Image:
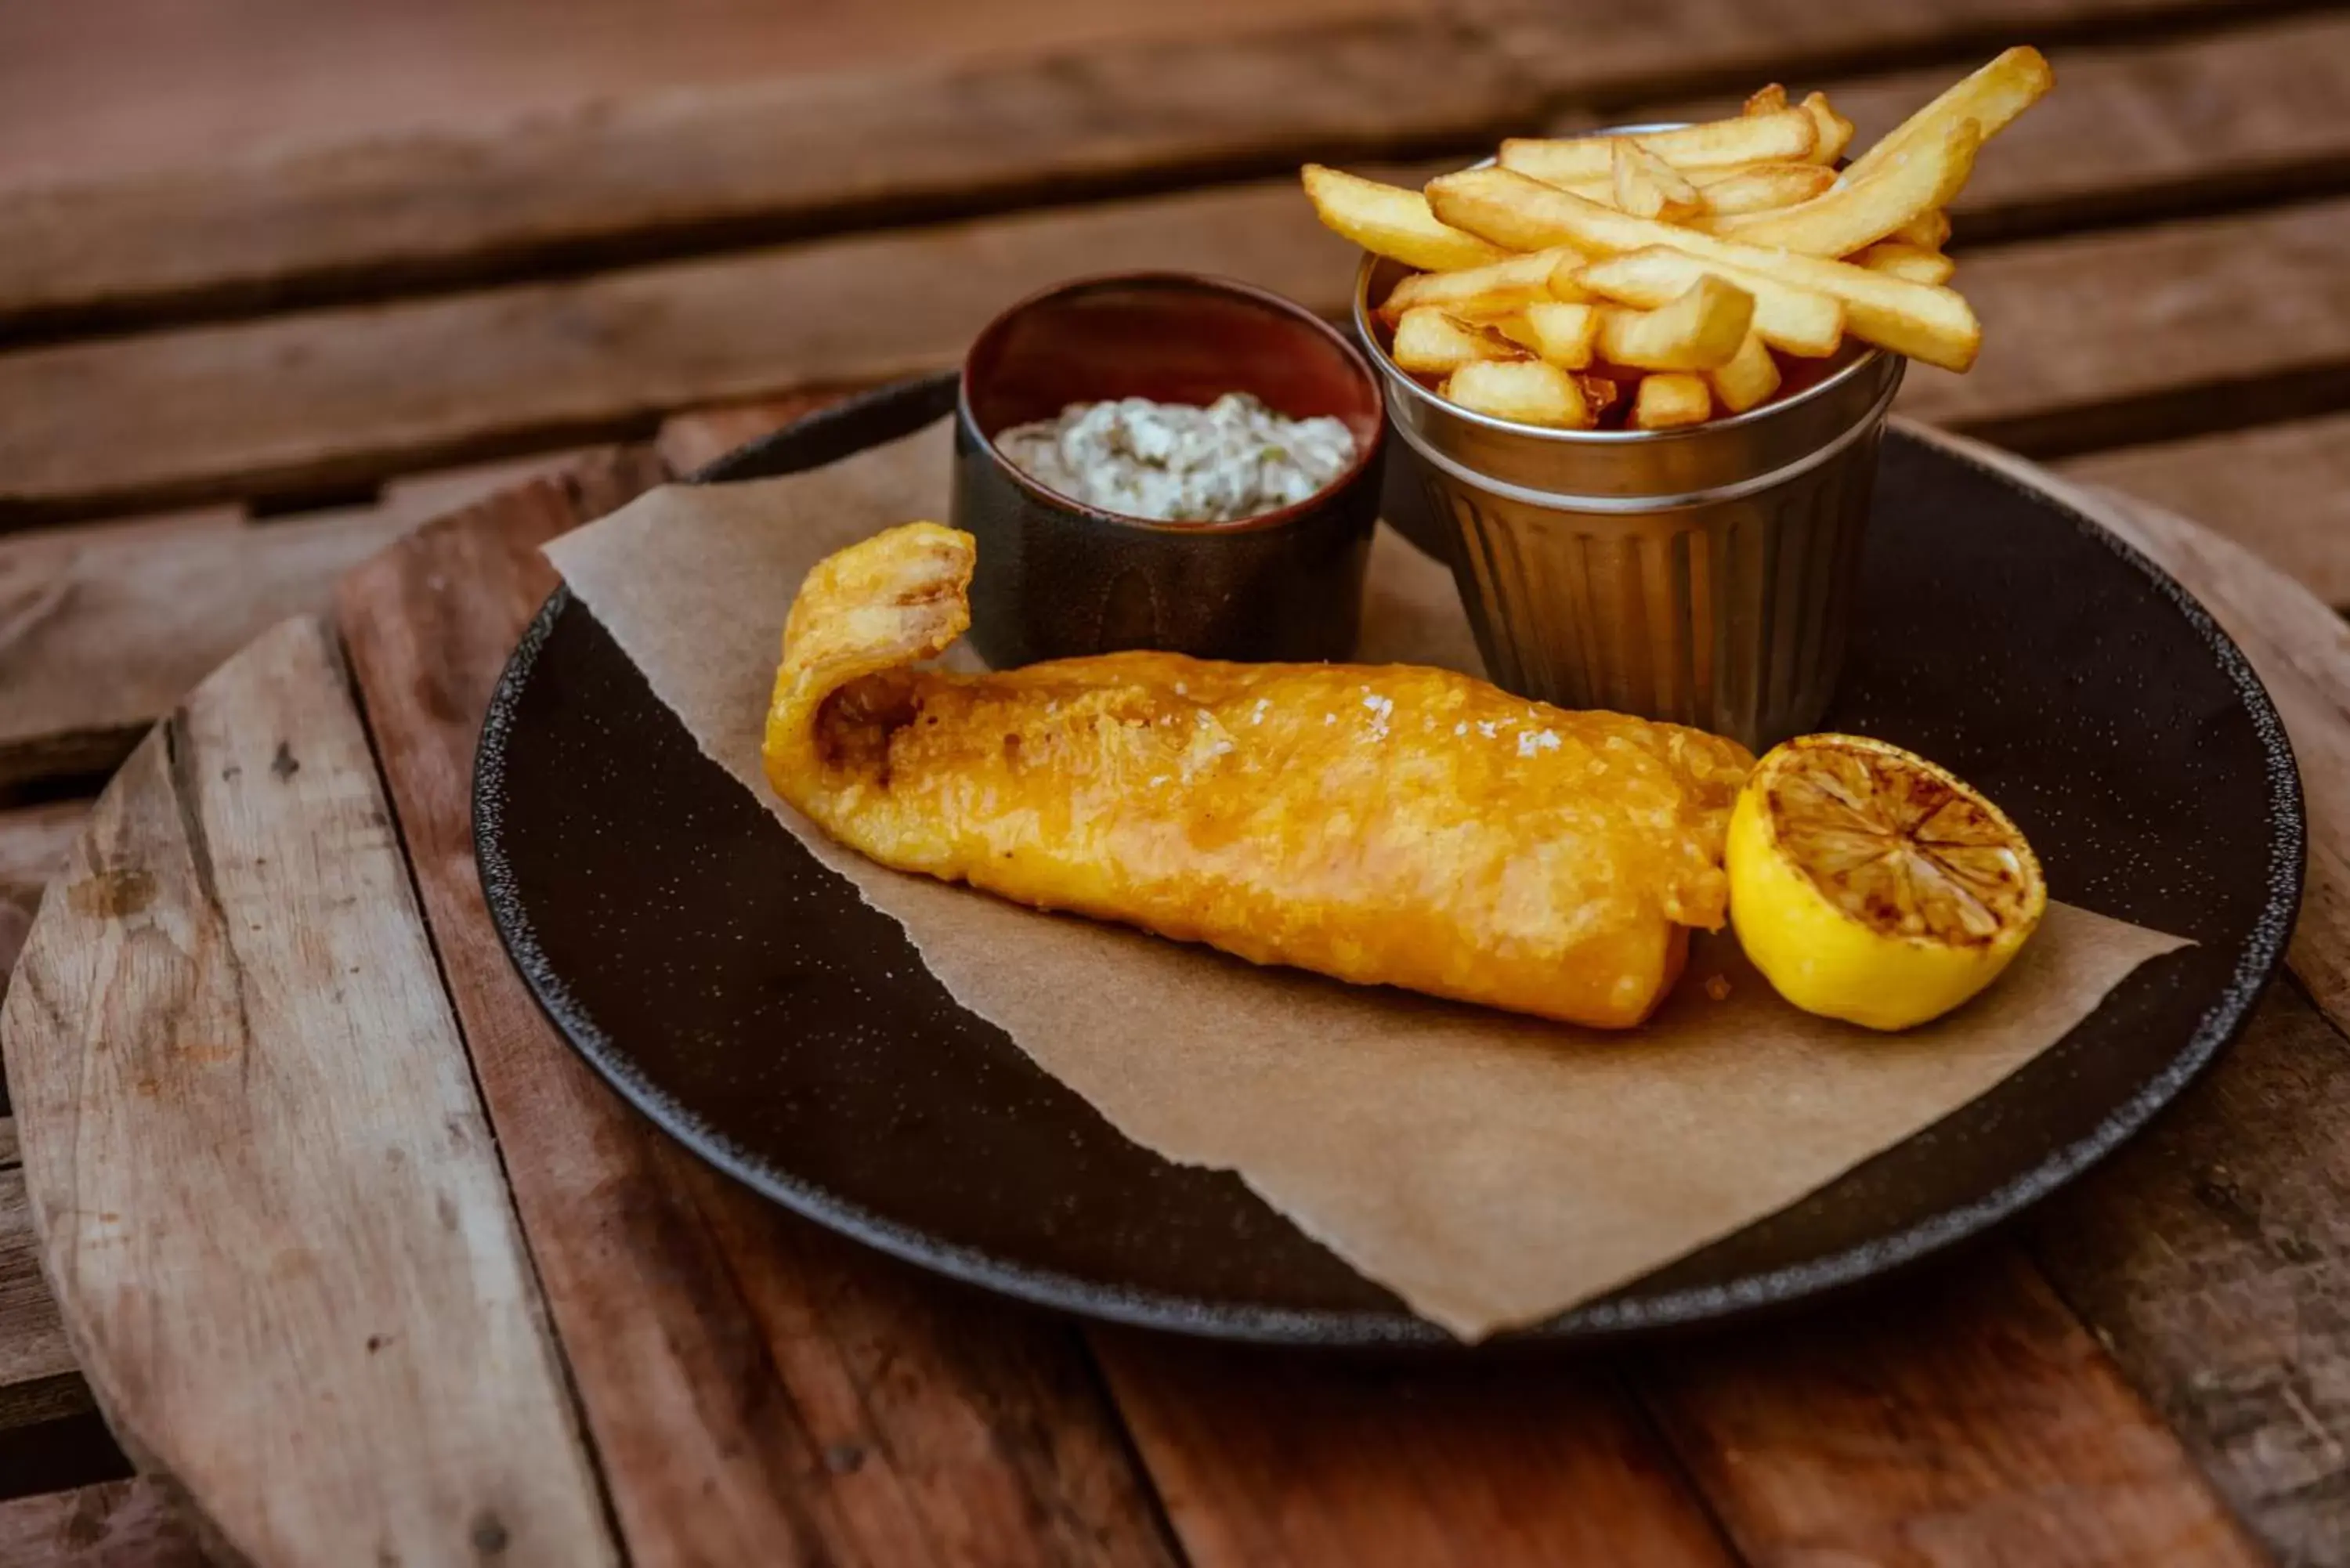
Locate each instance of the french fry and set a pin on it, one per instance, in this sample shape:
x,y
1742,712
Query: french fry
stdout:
x,y
1759,187
1699,330
1670,400
1796,321
1497,288
1749,377
1790,133
1768,100
1559,333
1526,391
1647,185
1925,323
1991,98
1858,212
1741,188
1895,259
1926,231
1835,130
1429,341
1600,393
1392,222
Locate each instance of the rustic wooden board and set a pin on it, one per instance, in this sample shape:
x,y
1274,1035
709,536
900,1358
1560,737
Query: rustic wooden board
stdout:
x,y
2282,491
148,84
34,840
1271,1461
1962,1415
757,1390
103,627
326,214
1618,53
640,176
114,1524
2212,1255
234,1068
38,1379
2092,339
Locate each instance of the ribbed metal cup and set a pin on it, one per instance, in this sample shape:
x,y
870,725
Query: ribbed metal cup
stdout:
x,y
1703,576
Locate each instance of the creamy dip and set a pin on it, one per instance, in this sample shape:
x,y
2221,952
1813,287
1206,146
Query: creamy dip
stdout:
x,y
1176,463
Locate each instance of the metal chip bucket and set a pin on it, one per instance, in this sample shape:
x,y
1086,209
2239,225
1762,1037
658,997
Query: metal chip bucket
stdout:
x,y
1703,576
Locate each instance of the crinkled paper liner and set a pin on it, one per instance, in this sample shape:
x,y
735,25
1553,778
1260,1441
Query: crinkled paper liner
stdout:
x,y
1491,1171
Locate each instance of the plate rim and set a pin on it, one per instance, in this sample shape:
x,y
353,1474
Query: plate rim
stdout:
x,y
893,410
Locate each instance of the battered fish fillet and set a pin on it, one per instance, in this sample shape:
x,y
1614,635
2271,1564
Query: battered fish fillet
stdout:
x,y
1389,825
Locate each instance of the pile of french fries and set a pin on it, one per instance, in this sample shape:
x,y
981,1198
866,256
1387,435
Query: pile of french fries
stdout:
x,y
1649,281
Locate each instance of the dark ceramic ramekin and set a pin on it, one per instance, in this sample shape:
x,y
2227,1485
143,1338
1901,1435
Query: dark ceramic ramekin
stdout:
x,y
1057,578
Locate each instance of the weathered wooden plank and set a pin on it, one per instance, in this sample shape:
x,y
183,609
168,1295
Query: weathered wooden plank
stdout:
x,y
757,1390
34,840
2142,333
238,1082
2213,1256
642,175
1613,56
103,627
633,176
2145,131
146,83
2092,340
38,1377
2281,491
114,1524
1963,1417
1269,1460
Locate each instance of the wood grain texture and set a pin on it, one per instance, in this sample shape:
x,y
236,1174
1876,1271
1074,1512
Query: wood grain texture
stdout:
x,y
149,84
240,1092
1618,53
103,627
2213,1256
640,175
114,1524
2281,491
34,840
757,1390
1960,1417
2091,341
1269,1460
38,1377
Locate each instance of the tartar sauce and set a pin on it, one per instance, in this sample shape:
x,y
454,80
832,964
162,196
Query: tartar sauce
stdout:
x,y
1176,463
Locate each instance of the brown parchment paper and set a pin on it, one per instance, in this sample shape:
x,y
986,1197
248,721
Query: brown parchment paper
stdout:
x,y
1491,1171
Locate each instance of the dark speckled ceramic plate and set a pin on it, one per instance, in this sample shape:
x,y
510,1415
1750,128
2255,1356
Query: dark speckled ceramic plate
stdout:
x,y
747,1002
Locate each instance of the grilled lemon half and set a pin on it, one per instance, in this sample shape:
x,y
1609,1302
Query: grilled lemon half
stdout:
x,y
1867,883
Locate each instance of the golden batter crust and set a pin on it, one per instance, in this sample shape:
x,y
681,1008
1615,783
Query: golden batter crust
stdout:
x,y
1386,825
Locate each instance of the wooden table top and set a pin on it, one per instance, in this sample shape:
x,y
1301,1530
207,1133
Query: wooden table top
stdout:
x,y
575,1344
